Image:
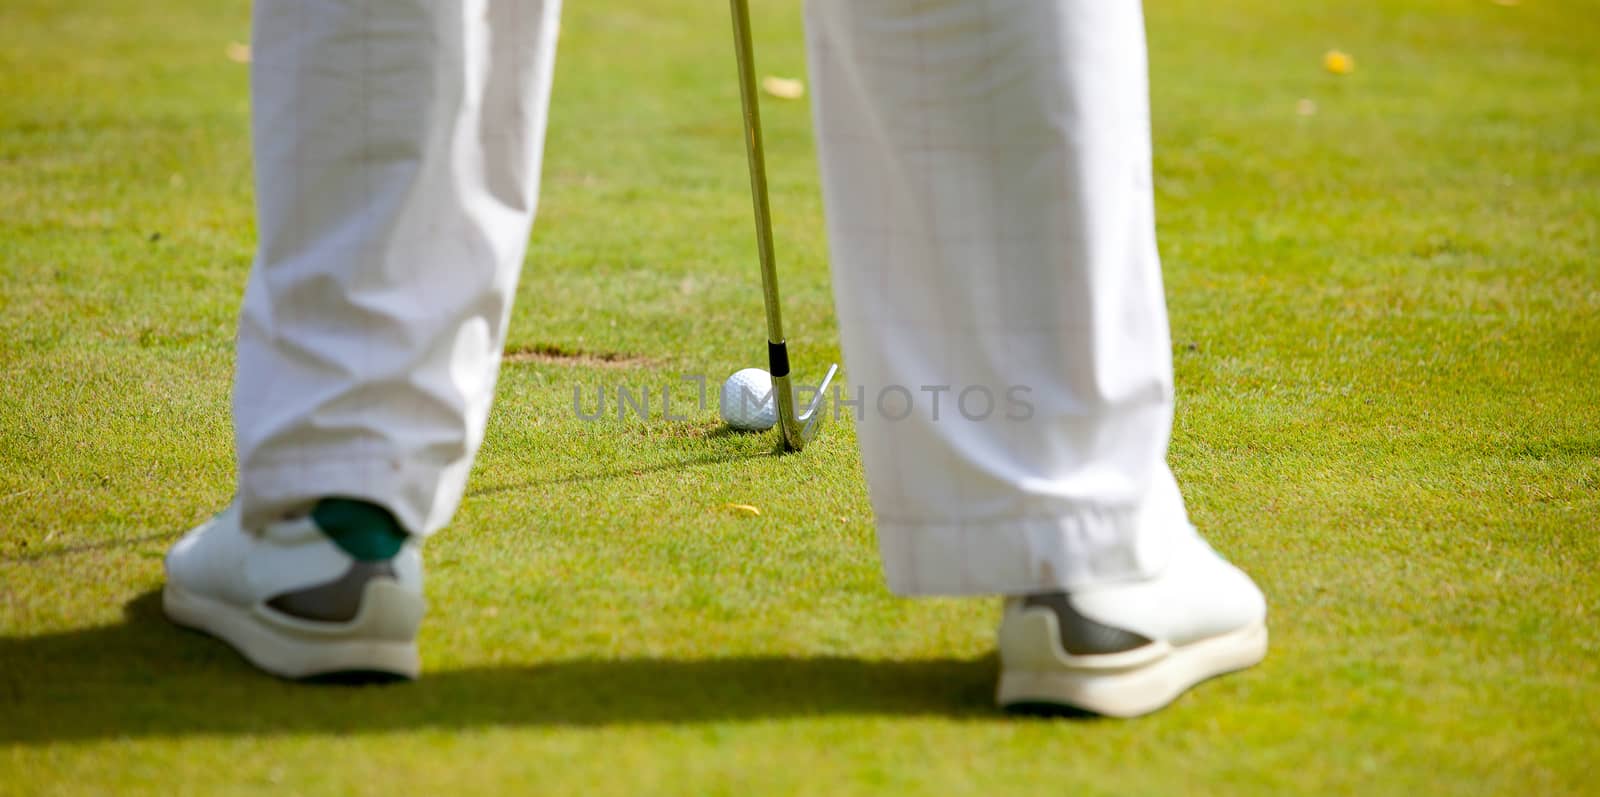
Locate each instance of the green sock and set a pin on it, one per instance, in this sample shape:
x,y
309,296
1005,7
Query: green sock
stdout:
x,y
364,530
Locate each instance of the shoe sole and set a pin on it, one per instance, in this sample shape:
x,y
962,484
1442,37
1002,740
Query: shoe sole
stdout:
x,y
1132,691
298,649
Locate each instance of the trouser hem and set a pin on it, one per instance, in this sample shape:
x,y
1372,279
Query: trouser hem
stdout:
x,y
1013,555
407,489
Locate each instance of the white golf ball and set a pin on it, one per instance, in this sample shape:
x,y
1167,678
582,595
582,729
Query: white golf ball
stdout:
x,y
747,401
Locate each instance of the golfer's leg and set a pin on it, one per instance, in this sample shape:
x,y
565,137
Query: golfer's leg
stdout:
x,y
397,156
398,147
987,171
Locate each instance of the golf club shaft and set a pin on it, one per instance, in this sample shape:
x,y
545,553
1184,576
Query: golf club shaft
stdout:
x,y
744,50
789,426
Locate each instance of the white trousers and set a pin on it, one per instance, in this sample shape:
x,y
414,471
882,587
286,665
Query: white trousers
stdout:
x,y
986,167
398,147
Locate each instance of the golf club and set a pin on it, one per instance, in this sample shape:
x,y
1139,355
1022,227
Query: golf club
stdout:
x,y
795,429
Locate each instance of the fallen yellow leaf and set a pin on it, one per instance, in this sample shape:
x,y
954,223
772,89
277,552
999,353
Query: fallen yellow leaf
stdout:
x,y
742,508
1338,62
783,88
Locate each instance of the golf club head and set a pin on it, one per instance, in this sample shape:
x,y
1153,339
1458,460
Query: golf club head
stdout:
x,y
797,429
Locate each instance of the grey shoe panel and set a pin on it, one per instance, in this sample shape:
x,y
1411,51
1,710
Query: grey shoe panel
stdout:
x,y
1081,636
339,600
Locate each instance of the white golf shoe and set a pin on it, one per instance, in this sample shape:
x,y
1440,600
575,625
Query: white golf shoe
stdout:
x,y
1130,648
293,602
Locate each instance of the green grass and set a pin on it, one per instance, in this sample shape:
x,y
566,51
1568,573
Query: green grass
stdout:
x,y
1387,334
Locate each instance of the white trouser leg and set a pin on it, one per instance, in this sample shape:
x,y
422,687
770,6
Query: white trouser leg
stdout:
x,y
986,166
398,147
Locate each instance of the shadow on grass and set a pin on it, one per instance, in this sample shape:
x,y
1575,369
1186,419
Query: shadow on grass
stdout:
x,y
624,472
67,550
147,678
